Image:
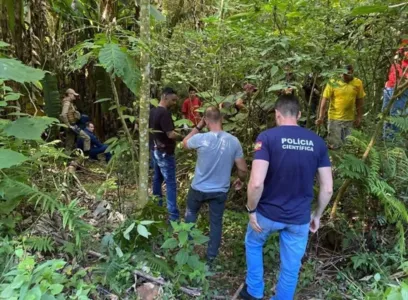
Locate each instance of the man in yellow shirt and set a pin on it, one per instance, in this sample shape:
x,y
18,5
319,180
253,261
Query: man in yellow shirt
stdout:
x,y
346,97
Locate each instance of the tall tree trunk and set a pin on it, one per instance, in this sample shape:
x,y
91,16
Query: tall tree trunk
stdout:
x,y
144,103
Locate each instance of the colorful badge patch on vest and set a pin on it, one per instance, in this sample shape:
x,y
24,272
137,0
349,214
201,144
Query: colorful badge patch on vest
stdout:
x,y
258,146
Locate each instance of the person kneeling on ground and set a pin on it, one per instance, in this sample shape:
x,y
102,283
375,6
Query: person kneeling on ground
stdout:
x,y
280,191
96,146
218,151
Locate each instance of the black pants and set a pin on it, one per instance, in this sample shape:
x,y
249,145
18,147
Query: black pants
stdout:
x,y
216,203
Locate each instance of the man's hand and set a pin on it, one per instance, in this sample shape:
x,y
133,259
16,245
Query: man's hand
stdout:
x,y
254,223
319,121
201,124
238,184
357,122
314,223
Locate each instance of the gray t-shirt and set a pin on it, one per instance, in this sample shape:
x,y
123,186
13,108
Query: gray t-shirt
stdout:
x,y
217,152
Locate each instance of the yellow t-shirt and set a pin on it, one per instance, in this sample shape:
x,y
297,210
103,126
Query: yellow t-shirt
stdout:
x,y
343,97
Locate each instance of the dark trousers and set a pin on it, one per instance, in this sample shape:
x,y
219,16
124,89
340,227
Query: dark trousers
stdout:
x,y
216,202
93,153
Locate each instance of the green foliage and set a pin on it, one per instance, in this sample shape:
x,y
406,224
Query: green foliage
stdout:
x,y
11,69
180,246
10,158
41,244
31,280
29,128
120,64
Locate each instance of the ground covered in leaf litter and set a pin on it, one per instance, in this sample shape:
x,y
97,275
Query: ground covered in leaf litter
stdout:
x,y
320,265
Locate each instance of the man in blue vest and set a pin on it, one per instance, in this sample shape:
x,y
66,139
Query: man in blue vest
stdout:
x,y
280,191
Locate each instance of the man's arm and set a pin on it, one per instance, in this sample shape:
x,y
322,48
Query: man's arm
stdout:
x,y
325,189
256,182
322,110
184,109
64,113
172,135
242,168
325,193
359,108
192,133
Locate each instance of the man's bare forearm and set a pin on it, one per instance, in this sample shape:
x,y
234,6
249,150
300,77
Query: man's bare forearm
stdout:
x,y
254,194
193,132
359,107
322,111
325,195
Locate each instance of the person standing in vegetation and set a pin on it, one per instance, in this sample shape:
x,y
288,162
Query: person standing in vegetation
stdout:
x,y
280,192
70,116
397,75
346,97
218,151
190,106
163,143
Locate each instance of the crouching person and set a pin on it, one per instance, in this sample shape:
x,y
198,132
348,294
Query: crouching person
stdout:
x,y
96,146
218,151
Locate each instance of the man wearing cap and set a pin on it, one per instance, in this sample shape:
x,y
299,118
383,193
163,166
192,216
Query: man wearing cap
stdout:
x,y
346,97
70,116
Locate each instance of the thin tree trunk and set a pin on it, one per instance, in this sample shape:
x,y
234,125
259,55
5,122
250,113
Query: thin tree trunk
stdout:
x,y
144,104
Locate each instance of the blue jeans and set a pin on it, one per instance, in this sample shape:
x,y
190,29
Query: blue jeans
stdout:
x,y
292,242
93,153
399,108
216,201
165,171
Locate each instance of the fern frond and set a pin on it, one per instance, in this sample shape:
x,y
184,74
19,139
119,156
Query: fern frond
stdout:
x,y
14,189
353,167
158,264
400,122
41,244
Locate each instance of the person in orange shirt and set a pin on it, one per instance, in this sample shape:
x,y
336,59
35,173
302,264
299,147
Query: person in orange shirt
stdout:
x,y
190,106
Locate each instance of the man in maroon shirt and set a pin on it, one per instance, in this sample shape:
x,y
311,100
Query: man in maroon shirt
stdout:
x,y
190,106
397,76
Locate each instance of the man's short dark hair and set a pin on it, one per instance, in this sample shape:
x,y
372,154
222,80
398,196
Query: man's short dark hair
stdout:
x,y
88,123
168,91
213,114
288,105
192,89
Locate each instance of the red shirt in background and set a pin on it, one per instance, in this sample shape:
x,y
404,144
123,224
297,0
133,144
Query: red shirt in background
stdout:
x,y
392,75
189,109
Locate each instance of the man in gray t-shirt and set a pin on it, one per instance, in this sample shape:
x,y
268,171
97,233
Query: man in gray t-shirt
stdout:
x,y
218,151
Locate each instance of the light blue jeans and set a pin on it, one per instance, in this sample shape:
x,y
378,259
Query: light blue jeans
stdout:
x,y
292,242
399,108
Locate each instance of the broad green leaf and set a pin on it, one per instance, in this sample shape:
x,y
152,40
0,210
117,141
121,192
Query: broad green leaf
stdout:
x,y
146,222
170,244
3,44
18,281
193,261
276,87
128,230
142,230
29,128
201,239
56,288
155,13
19,252
120,64
12,96
34,293
11,69
369,9
183,237
9,158
3,103
182,257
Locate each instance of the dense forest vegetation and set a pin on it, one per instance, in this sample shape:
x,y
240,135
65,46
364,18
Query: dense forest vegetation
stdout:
x,y
72,228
